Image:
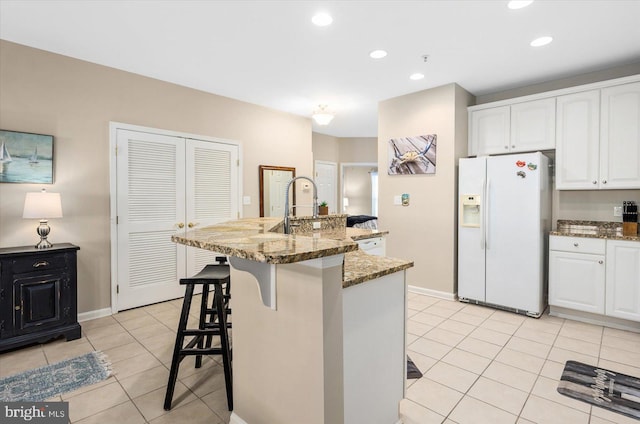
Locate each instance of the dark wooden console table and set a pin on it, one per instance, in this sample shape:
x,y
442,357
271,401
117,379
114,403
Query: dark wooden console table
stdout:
x,y
38,295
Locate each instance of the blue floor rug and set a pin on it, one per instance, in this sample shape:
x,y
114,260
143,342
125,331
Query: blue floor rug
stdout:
x,y
52,380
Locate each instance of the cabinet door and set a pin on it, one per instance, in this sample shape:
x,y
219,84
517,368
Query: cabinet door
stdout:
x,y
620,137
576,281
490,130
578,141
533,125
623,279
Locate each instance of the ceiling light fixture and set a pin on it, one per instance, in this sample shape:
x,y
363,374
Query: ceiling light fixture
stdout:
x,y
417,76
322,116
518,4
377,54
541,41
322,19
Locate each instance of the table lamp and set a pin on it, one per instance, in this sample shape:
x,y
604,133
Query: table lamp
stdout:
x,y
43,206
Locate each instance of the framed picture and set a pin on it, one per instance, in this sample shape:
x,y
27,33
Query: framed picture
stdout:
x,y
412,155
26,157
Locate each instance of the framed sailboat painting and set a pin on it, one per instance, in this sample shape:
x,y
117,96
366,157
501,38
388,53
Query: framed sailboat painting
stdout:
x,y
26,157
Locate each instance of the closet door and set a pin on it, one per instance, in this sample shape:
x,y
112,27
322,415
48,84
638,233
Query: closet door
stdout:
x,y
211,192
150,209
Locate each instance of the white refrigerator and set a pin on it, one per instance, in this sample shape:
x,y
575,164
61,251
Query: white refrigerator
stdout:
x,y
503,222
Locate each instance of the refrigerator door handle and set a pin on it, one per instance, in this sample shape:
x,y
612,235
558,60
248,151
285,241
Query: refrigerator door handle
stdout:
x,y
486,213
483,216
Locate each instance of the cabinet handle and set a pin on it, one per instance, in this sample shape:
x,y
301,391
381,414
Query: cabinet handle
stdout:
x,y
601,262
181,225
193,224
513,146
39,264
575,244
506,147
17,308
604,181
594,182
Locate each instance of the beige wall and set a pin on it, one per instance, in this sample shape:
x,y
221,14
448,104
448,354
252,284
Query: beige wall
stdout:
x,y
353,149
74,101
357,188
591,77
325,147
425,231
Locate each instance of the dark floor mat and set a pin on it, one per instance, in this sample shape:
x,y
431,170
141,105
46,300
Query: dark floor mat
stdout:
x,y
412,370
607,389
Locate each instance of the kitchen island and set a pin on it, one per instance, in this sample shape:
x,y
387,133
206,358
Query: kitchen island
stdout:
x,y
318,326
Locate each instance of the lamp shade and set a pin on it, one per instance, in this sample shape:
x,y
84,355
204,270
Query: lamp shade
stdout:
x,y
42,205
322,116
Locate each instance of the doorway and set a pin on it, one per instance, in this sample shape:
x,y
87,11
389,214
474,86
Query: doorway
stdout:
x,y
359,188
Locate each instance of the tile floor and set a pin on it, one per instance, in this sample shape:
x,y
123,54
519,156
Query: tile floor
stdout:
x,y
480,365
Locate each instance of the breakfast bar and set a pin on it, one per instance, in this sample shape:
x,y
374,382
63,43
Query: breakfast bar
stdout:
x,y
318,325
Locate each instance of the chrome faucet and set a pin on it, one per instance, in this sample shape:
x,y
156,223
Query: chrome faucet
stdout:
x,y
287,228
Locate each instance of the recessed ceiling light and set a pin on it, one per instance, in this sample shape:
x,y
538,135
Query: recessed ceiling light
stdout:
x,y
518,4
377,54
541,41
416,76
322,19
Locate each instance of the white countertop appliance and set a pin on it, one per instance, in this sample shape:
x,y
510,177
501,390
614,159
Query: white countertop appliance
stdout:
x,y
503,221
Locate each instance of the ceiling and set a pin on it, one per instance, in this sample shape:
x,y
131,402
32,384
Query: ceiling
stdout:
x,y
269,53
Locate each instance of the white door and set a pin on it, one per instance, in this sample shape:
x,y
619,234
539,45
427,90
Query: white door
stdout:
x,y
514,244
576,281
490,130
471,241
326,179
578,141
623,279
167,184
533,125
150,209
620,137
276,188
211,192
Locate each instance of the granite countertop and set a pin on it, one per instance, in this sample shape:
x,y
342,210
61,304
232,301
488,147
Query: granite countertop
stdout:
x,y
252,238
592,229
255,239
360,267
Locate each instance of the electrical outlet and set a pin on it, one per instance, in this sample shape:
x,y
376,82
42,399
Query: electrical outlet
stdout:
x,y
617,211
316,225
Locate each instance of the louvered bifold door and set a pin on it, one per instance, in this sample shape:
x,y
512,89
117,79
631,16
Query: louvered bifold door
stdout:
x,y
150,209
211,191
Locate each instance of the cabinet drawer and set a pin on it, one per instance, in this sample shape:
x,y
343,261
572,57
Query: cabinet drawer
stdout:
x,y
39,263
578,244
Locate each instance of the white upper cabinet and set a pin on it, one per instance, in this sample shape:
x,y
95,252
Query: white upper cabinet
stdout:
x,y
533,125
620,137
578,141
522,127
598,139
490,131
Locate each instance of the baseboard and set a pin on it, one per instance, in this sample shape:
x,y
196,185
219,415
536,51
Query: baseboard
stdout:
x,y
99,313
595,319
432,293
234,419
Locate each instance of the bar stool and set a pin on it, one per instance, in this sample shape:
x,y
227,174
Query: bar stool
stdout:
x,y
212,322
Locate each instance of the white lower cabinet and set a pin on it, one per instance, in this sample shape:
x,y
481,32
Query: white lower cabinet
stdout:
x,y
578,281
623,279
577,273
595,275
